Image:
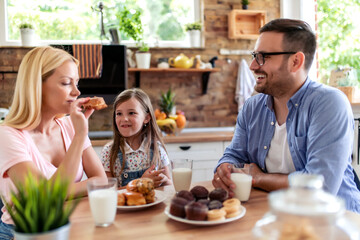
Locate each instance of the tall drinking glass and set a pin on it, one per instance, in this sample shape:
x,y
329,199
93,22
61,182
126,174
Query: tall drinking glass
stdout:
x,y
181,173
103,200
243,183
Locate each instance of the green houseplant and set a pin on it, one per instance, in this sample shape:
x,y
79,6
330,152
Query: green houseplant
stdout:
x,y
39,207
27,33
130,23
245,4
143,56
194,32
193,26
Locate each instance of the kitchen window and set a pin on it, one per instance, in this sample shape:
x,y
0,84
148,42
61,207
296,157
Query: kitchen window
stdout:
x,y
74,21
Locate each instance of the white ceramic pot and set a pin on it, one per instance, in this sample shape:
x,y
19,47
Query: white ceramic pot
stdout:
x,y
28,37
61,233
195,38
3,113
143,59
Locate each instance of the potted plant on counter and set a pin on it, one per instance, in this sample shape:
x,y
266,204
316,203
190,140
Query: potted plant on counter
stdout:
x,y
27,33
194,31
38,208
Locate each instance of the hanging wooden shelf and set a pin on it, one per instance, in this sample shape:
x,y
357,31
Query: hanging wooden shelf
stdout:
x,y
245,24
205,73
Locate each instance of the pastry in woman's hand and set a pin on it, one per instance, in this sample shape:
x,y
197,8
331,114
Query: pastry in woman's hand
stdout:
x,y
96,103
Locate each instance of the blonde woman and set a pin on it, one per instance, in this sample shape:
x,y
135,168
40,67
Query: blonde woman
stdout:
x,y
36,135
137,149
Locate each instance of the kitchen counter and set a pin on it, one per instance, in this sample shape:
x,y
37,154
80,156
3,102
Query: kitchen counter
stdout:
x,y
186,136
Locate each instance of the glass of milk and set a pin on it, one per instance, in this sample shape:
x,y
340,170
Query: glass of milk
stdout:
x,y
243,184
181,173
103,200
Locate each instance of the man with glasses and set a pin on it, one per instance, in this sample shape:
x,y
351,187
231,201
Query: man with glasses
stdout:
x,y
294,125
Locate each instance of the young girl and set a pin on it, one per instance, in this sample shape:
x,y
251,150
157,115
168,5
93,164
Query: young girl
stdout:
x,y
137,149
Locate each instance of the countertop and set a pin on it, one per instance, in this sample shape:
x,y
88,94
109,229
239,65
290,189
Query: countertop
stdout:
x,y
186,136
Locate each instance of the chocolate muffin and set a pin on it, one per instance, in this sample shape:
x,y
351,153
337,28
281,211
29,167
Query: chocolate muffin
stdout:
x,y
186,194
215,204
196,211
218,194
177,207
204,201
200,192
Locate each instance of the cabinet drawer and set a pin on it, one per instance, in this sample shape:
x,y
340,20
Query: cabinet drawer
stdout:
x,y
195,151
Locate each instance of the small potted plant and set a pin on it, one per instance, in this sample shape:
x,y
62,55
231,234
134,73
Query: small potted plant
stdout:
x,y
38,208
27,33
245,4
194,31
143,56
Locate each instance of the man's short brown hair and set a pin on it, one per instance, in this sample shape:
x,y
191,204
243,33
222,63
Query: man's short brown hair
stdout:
x,y
298,37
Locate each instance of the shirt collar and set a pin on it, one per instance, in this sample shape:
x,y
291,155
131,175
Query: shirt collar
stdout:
x,y
128,149
295,99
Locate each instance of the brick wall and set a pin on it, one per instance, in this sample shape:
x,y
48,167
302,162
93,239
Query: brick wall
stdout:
x,y
215,108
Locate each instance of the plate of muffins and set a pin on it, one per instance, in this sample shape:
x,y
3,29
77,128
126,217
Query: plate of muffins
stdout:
x,y
139,193
199,207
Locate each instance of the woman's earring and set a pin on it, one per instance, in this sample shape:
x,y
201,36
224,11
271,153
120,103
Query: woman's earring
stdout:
x,y
145,124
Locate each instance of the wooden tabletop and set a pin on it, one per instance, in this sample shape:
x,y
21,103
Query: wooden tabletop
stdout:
x,y
152,223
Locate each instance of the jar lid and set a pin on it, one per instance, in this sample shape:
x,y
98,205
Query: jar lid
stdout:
x,y
306,197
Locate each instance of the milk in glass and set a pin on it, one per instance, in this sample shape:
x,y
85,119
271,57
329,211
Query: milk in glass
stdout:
x,y
103,206
181,178
243,185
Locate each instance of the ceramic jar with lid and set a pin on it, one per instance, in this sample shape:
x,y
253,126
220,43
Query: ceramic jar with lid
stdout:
x,y
305,211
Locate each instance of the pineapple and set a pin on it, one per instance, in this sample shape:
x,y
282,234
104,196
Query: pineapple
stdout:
x,y
167,102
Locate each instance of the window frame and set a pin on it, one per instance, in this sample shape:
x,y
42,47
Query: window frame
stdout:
x,y
4,41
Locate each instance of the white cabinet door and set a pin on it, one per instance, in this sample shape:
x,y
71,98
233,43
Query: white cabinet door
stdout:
x,y
204,155
98,150
225,145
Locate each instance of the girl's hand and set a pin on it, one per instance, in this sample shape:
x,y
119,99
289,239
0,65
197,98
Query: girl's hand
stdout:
x,y
80,118
156,176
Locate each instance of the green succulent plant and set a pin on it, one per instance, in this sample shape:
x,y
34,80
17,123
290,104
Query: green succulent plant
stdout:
x,y
245,2
26,25
167,102
144,47
38,205
193,26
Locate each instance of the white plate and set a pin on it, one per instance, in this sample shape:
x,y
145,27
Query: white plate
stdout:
x,y
159,197
205,223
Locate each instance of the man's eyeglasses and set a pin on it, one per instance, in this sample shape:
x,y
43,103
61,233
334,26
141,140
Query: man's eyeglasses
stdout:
x,y
260,56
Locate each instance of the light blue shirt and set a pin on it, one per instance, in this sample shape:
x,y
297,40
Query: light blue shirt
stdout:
x,y
320,131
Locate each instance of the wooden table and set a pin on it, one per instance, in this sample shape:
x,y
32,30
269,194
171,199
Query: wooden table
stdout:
x,y
152,223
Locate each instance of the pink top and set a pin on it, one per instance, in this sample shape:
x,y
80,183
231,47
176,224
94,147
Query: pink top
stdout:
x,y
17,146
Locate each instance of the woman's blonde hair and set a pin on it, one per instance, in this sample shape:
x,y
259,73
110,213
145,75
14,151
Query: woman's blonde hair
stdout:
x,y
36,66
150,130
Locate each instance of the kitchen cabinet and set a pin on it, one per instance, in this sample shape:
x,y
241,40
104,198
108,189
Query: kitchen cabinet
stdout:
x,y
98,150
205,156
245,24
205,146
205,74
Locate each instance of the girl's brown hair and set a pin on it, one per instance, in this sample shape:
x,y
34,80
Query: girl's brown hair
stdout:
x,y
150,130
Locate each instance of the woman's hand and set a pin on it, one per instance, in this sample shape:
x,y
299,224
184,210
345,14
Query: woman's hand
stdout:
x,y
156,175
80,118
